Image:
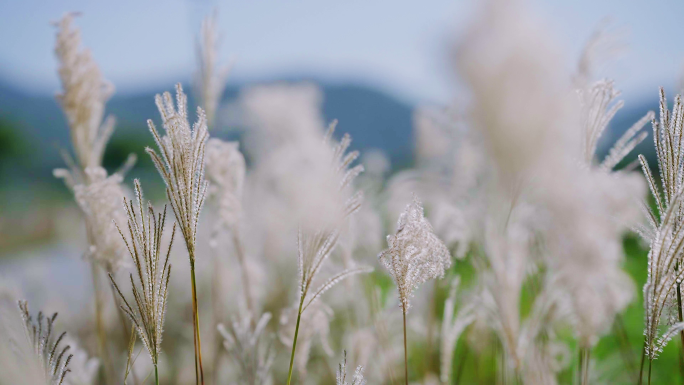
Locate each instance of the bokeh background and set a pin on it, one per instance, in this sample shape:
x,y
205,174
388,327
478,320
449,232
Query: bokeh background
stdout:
x,y
375,61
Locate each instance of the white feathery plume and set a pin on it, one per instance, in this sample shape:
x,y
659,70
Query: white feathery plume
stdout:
x,y
663,283
210,79
523,115
597,111
253,355
100,201
315,247
150,293
341,375
585,243
180,162
83,98
415,254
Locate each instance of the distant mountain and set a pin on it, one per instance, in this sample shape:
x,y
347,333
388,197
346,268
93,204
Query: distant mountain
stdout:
x,y
373,119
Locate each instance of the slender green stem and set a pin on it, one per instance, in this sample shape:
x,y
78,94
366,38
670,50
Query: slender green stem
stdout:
x,y
199,370
650,363
294,342
405,350
156,375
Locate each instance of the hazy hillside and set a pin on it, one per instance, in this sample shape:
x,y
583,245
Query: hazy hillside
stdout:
x,y
374,119
35,127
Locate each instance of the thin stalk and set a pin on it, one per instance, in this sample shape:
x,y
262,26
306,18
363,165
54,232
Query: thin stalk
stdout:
x,y
294,342
199,370
650,364
405,350
156,375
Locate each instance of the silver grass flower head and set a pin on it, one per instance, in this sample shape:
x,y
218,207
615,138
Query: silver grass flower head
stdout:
x,y
226,172
316,244
49,351
210,79
144,243
251,348
415,254
665,230
662,280
667,134
180,161
84,95
100,200
598,107
341,376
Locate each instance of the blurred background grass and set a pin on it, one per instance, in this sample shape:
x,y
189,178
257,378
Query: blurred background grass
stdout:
x,y
376,112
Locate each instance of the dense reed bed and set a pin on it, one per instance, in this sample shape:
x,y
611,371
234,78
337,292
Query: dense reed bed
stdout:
x,y
505,260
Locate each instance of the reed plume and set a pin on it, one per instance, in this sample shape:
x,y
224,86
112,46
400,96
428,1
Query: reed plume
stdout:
x,y
662,291
415,255
180,163
150,293
84,95
83,100
315,247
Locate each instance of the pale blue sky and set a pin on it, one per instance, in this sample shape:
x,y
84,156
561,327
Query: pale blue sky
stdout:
x,y
397,45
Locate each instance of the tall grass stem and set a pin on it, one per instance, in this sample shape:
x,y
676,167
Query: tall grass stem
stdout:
x,y
294,342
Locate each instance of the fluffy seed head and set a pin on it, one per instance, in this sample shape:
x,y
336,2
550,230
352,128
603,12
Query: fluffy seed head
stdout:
x,y
415,254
